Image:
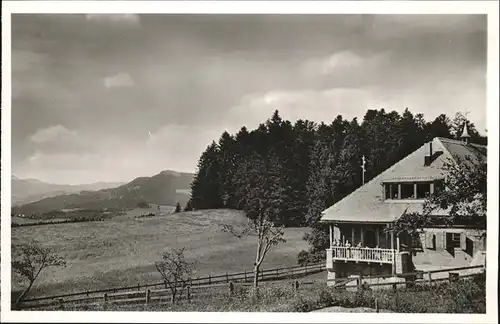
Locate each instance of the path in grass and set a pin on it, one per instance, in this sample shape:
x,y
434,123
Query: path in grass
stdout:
x,y
122,251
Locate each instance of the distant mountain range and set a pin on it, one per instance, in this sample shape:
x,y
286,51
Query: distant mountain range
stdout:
x,y
29,190
166,188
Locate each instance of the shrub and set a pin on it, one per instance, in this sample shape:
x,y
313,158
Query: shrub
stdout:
x,y
301,304
465,296
326,297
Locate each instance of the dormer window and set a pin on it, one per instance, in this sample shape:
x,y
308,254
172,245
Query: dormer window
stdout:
x,y
408,190
423,190
391,191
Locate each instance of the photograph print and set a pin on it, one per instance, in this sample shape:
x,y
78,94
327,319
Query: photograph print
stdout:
x,y
248,163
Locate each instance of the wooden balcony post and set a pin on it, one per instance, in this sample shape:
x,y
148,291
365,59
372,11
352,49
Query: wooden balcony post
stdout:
x,y
362,236
352,236
331,235
393,254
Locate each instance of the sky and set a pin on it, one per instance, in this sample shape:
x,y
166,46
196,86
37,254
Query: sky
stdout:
x,y
114,97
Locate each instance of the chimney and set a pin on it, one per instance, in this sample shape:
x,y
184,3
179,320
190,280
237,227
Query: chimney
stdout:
x,y
428,158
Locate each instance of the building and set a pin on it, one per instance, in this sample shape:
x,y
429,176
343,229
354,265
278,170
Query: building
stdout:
x,y
365,215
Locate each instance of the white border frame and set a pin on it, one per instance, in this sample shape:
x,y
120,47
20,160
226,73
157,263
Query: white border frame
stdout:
x,y
490,8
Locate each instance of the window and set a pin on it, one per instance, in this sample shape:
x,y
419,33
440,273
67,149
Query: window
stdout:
x,y
455,239
407,190
416,243
391,191
423,190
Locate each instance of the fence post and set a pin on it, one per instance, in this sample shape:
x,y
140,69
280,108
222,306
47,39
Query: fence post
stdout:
x,y
231,288
209,279
61,303
227,278
104,301
189,293
138,287
376,305
296,286
245,276
430,279
148,296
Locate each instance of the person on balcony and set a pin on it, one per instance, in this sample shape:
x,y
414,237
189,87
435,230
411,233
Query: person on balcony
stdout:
x,y
335,243
377,255
348,246
358,252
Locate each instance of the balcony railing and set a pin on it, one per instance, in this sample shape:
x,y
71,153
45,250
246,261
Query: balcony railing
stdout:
x,y
359,254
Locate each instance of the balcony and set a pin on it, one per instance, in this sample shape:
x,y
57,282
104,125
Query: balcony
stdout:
x,y
342,253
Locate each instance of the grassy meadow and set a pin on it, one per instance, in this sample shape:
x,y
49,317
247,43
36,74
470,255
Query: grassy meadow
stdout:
x,y
121,251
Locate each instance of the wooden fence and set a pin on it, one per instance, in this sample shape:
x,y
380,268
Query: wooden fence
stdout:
x,y
226,284
157,290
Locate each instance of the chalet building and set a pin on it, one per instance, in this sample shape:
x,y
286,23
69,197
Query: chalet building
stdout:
x,y
359,243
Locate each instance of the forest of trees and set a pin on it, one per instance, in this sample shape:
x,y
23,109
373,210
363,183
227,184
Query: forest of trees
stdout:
x,y
312,165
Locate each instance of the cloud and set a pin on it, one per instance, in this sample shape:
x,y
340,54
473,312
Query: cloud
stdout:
x,y
113,158
125,20
120,80
316,105
51,134
341,61
404,26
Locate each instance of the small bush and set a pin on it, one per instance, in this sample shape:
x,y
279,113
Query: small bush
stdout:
x,y
465,295
326,298
301,304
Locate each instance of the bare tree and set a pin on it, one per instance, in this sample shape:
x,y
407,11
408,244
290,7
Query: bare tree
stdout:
x,y
175,270
268,235
29,261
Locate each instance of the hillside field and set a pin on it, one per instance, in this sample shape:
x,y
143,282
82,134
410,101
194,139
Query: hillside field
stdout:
x,y
122,251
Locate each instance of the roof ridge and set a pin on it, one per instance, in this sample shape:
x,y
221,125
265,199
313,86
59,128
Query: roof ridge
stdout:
x,y
455,141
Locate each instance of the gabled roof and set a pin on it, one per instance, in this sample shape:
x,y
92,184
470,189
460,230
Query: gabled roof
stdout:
x,y
366,204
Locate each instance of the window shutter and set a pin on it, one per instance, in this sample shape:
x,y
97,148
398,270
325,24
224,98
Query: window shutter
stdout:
x,y
423,240
449,242
429,241
463,241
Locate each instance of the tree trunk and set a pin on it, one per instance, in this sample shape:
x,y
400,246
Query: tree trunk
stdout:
x,y
25,292
173,296
256,276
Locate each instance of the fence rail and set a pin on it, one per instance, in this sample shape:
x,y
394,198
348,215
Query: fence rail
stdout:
x,y
194,283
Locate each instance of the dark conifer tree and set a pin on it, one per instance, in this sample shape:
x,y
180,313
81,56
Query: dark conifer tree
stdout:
x,y
206,185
